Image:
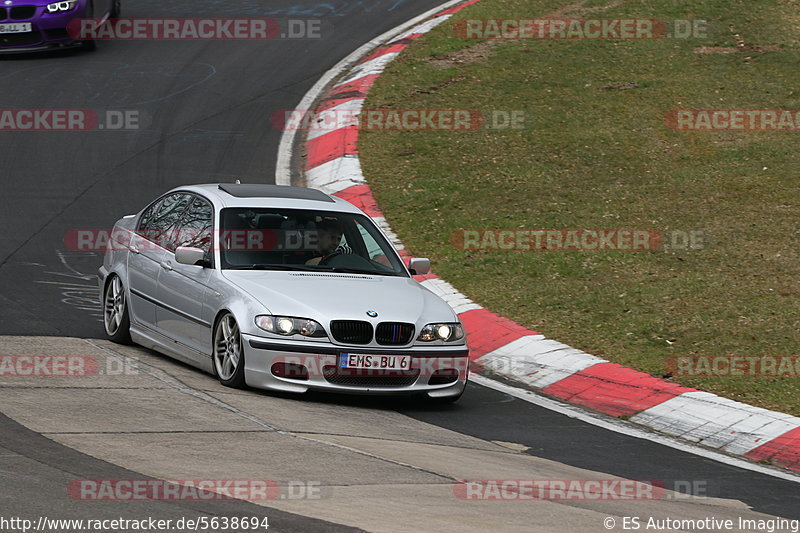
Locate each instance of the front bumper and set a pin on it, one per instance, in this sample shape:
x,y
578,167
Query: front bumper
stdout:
x,y
48,32
321,361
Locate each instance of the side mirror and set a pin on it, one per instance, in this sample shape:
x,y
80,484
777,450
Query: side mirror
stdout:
x,y
419,266
187,255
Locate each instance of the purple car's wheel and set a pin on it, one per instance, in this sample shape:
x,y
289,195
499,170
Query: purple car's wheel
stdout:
x,y
228,352
115,312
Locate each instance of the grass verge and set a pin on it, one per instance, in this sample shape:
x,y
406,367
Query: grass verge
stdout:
x,y
599,155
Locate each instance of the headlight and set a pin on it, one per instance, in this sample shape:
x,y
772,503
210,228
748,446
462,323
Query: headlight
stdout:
x,y
287,325
61,7
450,331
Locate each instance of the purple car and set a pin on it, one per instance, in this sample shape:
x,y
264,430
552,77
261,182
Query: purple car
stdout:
x,y
36,25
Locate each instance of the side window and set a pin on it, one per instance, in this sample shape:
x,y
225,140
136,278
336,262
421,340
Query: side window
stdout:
x,y
160,226
195,226
373,249
147,216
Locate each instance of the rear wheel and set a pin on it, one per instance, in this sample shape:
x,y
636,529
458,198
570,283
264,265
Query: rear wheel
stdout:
x,y
115,312
228,353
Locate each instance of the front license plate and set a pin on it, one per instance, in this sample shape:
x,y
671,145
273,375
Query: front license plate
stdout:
x,y
375,362
16,27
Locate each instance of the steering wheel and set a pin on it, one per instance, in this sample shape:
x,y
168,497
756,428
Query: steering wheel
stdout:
x,y
325,260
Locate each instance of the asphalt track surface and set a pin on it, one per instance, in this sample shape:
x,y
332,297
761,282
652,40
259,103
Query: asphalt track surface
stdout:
x,y
39,469
204,109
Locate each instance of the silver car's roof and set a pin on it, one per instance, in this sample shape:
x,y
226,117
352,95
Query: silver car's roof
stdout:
x,y
264,195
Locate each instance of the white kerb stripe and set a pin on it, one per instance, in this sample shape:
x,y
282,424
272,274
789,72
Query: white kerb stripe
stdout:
x,y
283,173
336,175
425,27
717,422
623,427
336,117
537,361
449,294
381,223
369,68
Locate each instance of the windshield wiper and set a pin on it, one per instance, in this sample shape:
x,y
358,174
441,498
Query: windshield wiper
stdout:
x,y
275,266
360,271
311,268
264,266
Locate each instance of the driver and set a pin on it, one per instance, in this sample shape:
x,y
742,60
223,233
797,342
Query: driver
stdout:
x,y
329,235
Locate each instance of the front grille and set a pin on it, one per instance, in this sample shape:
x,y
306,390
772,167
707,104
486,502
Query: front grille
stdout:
x,y
20,39
394,333
22,12
351,331
370,378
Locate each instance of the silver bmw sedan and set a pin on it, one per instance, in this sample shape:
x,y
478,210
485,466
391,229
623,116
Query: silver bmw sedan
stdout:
x,y
281,288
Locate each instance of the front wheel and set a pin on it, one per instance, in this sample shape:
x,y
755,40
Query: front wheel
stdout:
x,y
228,353
115,312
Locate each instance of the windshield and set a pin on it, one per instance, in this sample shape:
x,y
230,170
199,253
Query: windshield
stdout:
x,y
292,239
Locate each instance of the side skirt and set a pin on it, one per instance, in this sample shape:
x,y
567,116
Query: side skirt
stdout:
x,y
148,338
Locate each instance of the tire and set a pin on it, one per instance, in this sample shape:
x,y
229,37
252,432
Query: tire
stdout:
x,y
228,354
116,318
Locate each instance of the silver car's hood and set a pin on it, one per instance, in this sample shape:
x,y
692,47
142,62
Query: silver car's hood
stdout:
x,y
326,297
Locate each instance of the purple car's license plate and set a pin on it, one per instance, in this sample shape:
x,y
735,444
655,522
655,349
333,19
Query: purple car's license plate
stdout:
x,y
15,27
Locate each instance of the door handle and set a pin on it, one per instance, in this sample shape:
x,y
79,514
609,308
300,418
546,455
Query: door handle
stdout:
x,y
166,265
